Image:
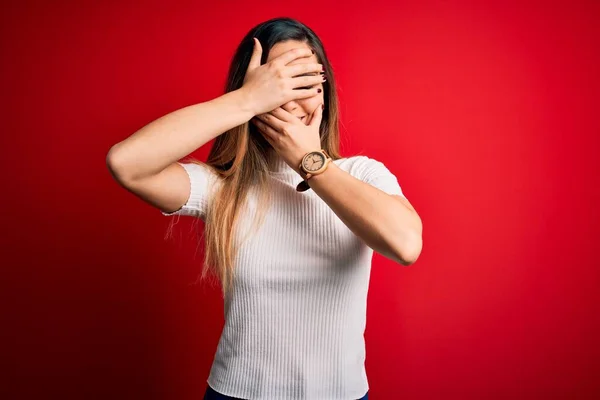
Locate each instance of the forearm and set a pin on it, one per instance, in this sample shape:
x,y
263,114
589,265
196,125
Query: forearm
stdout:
x,y
177,134
382,221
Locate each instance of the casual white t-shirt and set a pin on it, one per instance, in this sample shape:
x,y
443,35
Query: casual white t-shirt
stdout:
x,y
295,318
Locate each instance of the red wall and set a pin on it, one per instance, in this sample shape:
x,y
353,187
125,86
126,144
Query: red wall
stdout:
x,y
487,114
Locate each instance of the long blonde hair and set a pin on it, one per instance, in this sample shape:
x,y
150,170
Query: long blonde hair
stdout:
x,y
239,155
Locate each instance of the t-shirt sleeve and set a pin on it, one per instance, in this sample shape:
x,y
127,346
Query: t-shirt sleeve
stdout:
x,y
375,173
202,184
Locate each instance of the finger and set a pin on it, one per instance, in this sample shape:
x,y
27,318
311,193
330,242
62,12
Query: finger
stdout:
x,y
304,93
266,129
271,120
303,69
291,55
256,54
317,116
285,116
307,81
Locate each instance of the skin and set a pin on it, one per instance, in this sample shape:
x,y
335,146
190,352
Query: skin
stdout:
x,y
300,107
293,128
387,223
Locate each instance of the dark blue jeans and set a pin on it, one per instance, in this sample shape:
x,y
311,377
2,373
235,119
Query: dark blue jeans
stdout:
x,y
212,394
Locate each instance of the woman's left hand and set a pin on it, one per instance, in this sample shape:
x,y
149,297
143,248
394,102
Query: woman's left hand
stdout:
x,y
288,135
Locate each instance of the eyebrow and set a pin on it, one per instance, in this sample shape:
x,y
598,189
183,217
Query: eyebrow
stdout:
x,y
308,74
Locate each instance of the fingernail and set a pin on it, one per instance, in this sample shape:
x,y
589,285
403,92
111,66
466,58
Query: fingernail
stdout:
x,y
322,106
312,51
319,90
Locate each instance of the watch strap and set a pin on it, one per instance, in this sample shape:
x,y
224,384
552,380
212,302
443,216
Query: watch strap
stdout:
x,y
302,186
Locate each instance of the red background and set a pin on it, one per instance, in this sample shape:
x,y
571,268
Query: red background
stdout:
x,y
486,113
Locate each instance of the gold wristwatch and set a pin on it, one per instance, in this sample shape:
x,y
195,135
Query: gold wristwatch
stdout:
x,y
313,163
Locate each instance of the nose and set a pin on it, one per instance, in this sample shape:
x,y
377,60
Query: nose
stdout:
x,y
290,106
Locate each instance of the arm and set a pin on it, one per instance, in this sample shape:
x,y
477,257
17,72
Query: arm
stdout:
x,y
175,135
387,223
145,162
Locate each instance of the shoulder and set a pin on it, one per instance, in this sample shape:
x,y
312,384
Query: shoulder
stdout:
x,y
203,181
199,170
360,166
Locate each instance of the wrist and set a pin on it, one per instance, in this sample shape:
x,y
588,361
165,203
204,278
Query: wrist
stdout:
x,y
298,160
245,103
315,169
314,178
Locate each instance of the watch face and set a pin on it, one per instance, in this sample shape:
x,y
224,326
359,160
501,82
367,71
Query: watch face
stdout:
x,y
313,161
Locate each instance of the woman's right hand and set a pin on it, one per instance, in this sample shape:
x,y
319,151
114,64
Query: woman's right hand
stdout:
x,y
273,84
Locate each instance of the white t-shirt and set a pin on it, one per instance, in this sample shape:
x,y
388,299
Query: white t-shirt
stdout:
x,y
295,318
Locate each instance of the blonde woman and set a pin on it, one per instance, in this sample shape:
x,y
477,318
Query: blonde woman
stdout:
x,y
290,224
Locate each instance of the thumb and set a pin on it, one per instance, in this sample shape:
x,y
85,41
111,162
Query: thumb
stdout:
x,y
317,116
256,54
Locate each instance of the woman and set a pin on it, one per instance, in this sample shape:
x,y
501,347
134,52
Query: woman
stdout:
x,y
290,225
